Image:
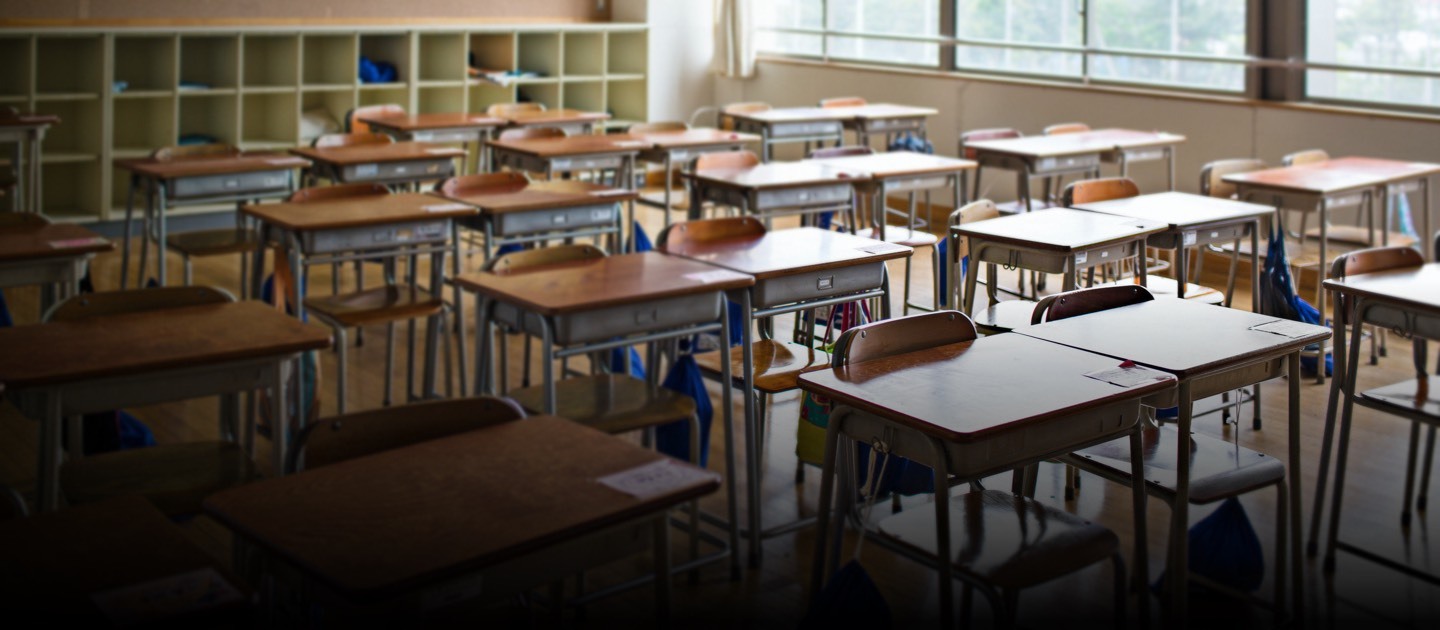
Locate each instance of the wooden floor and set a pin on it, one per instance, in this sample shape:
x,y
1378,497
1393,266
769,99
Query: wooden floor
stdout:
x,y
775,594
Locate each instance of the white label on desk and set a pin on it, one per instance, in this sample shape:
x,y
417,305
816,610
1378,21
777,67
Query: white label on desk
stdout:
x,y
630,144
1128,376
655,478
74,243
1188,238
882,248
166,598
609,192
445,207
706,277
1286,328
1081,257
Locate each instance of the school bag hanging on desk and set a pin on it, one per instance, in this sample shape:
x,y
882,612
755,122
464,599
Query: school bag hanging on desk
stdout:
x,y
1278,297
910,141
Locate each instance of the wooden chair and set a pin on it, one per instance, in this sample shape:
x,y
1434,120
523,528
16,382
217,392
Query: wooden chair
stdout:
x,y
1063,128
1096,190
394,302
843,101
1218,469
999,133
1213,184
175,477
532,133
241,239
353,124
501,110
657,127
341,438
725,122
998,316
720,160
1354,234
1056,543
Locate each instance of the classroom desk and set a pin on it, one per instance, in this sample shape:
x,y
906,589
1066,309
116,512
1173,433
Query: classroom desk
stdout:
x,y
881,174
395,164
1404,300
1074,153
795,270
490,513
988,406
59,564
1195,221
1340,182
62,370
677,148
828,124
442,128
385,227
26,132
599,304
886,119
573,154
1210,350
538,211
1054,240
248,177
774,189
53,255
573,121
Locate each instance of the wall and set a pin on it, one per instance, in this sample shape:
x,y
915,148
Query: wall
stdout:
x,y
682,42
113,12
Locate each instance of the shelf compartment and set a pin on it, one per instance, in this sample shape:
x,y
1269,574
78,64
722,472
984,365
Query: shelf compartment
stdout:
x,y
270,118
586,96
441,100
64,196
539,52
271,61
213,116
547,94
584,54
626,100
334,104
15,72
483,95
442,57
69,65
145,63
143,124
492,51
396,94
212,60
79,131
388,48
330,60
627,53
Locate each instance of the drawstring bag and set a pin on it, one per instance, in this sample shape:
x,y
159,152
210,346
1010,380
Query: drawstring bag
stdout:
x,y
377,71
850,599
1278,298
642,240
674,439
1224,549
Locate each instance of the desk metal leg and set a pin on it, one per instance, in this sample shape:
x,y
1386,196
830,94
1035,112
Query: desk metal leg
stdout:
x,y
145,232
752,424
129,220
22,179
279,410
48,476
1320,292
1296,511
161,230
458,296
1178,577
1352,362
818,571
1141,560
661,529
432,329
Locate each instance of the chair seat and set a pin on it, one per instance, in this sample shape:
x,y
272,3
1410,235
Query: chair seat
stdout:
x,y
778,364
1161,286
1006,540
213,242
1004,316
376,306
1360,235
613,403
175,477
902,236
1401,397
1218,469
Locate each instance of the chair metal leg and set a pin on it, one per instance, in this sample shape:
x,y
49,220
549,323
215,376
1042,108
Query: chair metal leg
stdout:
x,y
342,352
389,363
1425,470
1411,455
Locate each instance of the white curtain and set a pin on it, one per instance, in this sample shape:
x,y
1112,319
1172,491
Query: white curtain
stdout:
x,y
734,39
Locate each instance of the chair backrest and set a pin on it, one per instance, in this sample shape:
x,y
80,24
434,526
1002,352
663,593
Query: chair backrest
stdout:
x,y
540,256
977,135
350,139
87,305
724,121
1092,190
338,191
1212,175
978,210
193,151
657,127
901,335
725,159
500,110
353,124
834,152
1308,156
677,236
465,185
1372,260
843,101
1062,128
1091,300
532,133
334,440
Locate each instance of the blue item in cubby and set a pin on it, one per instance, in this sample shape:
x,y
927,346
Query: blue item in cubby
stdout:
x,y
377,71
191,139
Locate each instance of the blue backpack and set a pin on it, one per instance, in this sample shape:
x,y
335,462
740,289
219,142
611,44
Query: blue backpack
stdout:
x,y
908,141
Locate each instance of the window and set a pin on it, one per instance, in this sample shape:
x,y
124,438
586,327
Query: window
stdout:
x,y
1384,51
993,26
1188,31
882,31
776,22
